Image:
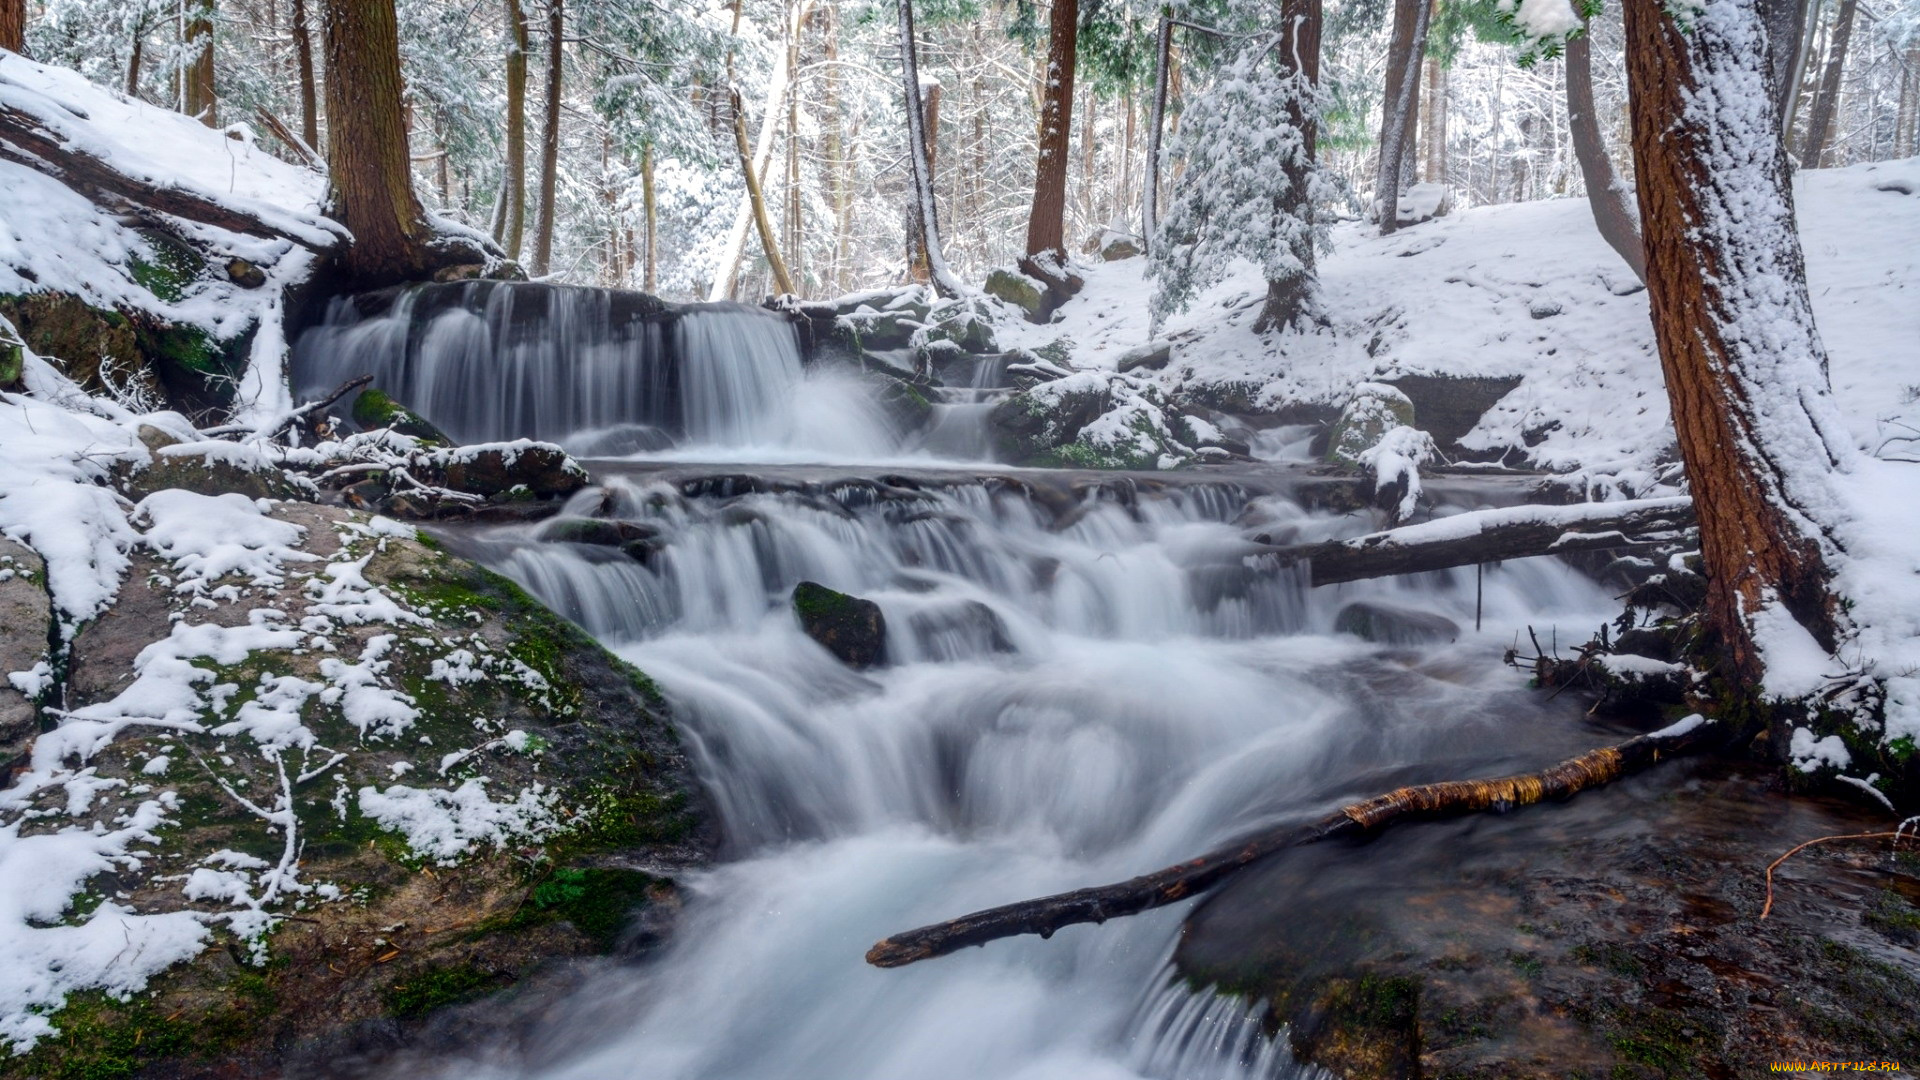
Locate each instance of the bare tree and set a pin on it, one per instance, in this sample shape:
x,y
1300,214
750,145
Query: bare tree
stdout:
x,y
1607,194
924,212
1046,224
550,142
196,82
513,186
1827,101
1400,105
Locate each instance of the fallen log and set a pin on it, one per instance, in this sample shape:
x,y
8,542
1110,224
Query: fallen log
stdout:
x,y
25,140
1484,536
1184,880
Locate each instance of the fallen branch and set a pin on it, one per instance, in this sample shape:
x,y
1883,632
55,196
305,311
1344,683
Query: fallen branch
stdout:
x,y
292,416
1483,536
1184,880
1797,849
278,129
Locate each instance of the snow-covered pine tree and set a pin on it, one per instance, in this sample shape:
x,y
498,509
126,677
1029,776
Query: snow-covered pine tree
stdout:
x,y
1252,179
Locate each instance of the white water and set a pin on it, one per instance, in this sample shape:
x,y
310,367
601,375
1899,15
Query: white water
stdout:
x,y
1142,691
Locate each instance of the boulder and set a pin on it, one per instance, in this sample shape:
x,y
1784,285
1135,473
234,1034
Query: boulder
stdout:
x,y
374,409
852,629
1153,356
213,467
1374,410
541,470
1120,247
245,274
25,629
1027,426
600,532
1023,292
972,331
1387,624
1451,406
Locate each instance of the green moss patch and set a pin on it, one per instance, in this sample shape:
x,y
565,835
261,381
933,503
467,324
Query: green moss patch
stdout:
x,y
422,992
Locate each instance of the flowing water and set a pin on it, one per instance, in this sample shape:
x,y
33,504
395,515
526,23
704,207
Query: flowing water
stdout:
x,y
1087,681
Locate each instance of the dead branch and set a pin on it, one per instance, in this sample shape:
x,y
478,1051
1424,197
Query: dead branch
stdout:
x,y
1184,880
1798,848
278,129
292,417
1484,536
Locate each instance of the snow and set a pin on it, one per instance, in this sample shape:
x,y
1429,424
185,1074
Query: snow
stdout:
x,y
211,537
443,825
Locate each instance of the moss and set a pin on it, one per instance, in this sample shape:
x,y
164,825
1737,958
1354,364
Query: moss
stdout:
x,y
171,269
374,408
103,1039
1656,1039
414,995
813,601
596,901
613,818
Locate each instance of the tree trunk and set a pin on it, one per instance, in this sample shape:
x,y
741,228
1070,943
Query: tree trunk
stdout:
x,y
134,58
923,212
1397,110
781,280
1786,22
1436,121
1744,365
651,280
1827,101
303,61
1157,123
1046,223
838,187
197,85
514,190
1299,45
726,276
367,148
919,268
13,26
1613,209
550,142
1907,118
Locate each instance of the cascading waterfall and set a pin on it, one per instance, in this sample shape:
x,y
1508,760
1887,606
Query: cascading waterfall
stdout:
x,y
1076,694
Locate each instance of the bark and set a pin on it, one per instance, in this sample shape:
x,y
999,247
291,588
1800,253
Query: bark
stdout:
x,y
839,188
1186,880
196,90
134,59
1157,122
1907,117
550,142
1827,101
367,152
1484,536
294,143
727,274
513,191
1435,117
1745,369
924,212
1299,50
303,61
1786,24
1613,209
646,196
781,280
13,25
1399,107
1046,223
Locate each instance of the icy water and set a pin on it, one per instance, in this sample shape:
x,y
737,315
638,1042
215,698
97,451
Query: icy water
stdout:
x,y
1087,681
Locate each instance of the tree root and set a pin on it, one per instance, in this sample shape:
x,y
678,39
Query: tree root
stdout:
x,y
1183,880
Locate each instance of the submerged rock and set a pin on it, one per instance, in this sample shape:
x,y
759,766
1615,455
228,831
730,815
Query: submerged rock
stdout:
x,y
849,627
1387,624
600,532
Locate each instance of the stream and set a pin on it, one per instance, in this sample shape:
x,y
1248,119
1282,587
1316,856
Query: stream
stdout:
x,y
1092,676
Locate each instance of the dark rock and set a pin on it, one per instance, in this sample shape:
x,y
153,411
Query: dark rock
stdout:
x,y
541,470
365,495
964,630
1450,407
1025,429
1390,625
209,471
597,531
25,629
1152,357
245,274
846,626
1120,247
373,409
1543,308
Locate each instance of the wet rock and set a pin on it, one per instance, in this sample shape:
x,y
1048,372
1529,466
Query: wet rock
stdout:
x,y
1449,407
245,274
852,629
1386,624
25,630
960,631
597,531
1374,410
968,330
1025,428
541,470
623,440
373,409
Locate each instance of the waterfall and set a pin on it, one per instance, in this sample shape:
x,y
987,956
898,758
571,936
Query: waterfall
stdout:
x,y
601,372
1078,691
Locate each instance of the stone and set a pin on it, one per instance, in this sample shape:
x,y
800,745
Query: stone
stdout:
x,y
852,629
1386,624
13,365
207,469
1449,406
1024,428
1153,356
969,330
1374,410
245,274
601,532
1541,307
1016,288
26,623
543,470
1120,247
374,409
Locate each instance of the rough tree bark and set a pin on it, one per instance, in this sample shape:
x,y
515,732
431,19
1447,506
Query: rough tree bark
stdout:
x,y
924,212
651,278
1397,112
303,61
1183,881
196,87
135,57
13,25
1435,119
1745,368
513,191
550,142
1786,25
1827,101
1150,188
1613,209
1046,222
367,152
1299,52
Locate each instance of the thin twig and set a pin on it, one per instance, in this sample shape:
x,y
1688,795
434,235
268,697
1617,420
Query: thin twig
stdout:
x,y
1768,909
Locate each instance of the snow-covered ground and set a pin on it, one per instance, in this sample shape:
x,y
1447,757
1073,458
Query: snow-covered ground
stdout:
x,y
1530,289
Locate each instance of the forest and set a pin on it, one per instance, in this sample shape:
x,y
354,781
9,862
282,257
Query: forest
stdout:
x,y
959,539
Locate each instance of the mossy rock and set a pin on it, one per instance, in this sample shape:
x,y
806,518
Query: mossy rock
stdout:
x,y
1016,288
852,629
542,470
131,355
374,409
13,365
599,532
1374,409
